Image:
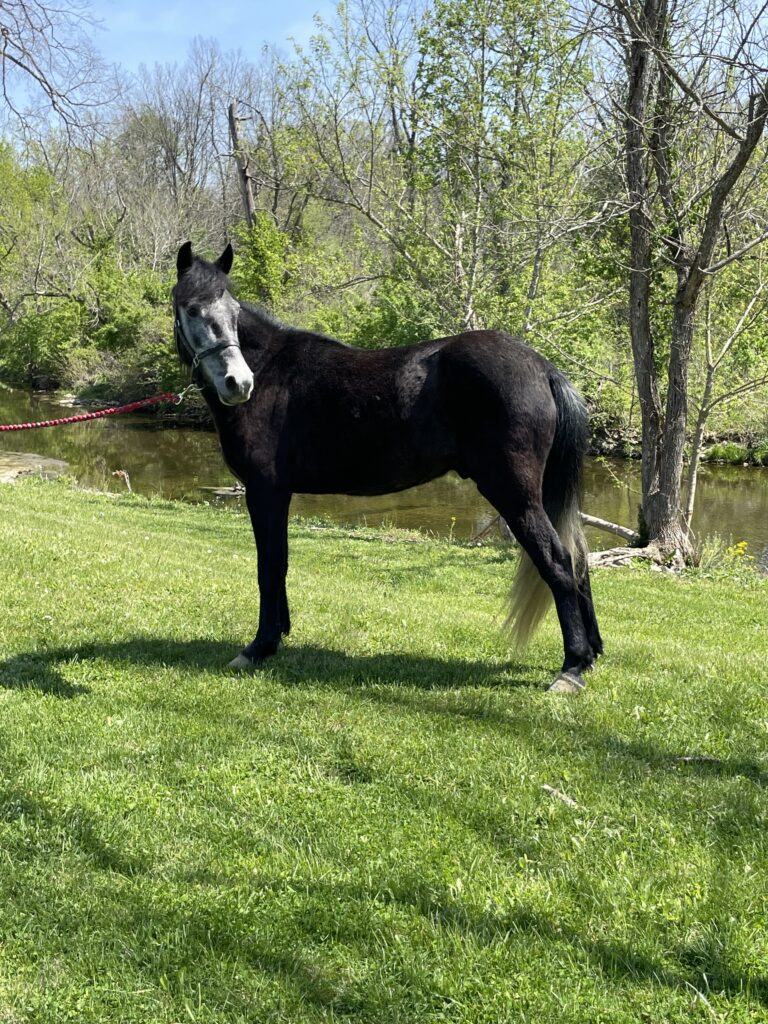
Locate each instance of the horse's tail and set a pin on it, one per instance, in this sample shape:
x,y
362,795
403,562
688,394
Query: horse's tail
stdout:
x,y
531,597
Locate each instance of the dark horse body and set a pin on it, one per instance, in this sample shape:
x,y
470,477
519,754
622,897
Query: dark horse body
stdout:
x,y
298,412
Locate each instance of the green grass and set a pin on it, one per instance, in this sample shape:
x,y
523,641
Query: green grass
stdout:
x,y
360,832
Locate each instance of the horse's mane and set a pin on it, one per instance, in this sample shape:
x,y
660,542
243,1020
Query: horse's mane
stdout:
x,y
203,278
267,320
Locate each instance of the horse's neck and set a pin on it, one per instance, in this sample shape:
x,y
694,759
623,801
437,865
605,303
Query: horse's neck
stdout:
x,y
257,332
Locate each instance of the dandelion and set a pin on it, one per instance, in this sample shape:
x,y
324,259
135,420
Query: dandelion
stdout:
x,y
737,550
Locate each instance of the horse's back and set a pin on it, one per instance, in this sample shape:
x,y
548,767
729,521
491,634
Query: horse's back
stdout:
x,y
496,383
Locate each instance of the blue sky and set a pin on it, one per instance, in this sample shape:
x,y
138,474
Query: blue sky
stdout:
x,y
143,32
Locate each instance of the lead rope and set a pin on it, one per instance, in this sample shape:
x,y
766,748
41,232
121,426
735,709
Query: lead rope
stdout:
x,y
167,396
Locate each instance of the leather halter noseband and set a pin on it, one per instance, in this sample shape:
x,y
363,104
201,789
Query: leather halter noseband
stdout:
x,y
196,357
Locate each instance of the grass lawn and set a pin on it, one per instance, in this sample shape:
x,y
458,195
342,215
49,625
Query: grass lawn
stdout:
x,y
361,832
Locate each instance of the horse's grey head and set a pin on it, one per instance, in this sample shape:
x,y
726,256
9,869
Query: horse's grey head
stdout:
x,y
206,325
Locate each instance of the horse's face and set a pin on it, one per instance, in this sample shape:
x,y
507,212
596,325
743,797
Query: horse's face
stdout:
x,y
207,317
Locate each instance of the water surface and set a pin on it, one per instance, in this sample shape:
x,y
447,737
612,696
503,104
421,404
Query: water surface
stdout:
x,y
181,463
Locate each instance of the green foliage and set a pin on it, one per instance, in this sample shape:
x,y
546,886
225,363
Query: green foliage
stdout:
x,y
134,333
719,559
398,313
734,454
263,261
42,343
38,335
150,365
126,302
112,336
729,452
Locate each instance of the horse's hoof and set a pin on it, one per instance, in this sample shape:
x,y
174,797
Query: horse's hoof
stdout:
x,y
567,682
242,664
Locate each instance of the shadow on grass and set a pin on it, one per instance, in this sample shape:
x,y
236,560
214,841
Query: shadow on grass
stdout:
x,y
40,670
289,949
390,679
292,945
684,763
387,678
334,668
55,827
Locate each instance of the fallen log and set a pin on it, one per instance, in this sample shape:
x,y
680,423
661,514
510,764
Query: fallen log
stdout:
x,y
611,558
602,524
599,524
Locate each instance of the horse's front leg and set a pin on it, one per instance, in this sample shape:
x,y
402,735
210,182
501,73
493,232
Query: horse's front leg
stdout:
x,y
268,509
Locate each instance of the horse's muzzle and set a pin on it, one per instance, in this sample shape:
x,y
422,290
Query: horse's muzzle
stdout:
x,y
235,392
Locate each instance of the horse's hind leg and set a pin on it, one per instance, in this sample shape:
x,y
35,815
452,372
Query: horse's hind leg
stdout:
x,y
284,614
588,615
521,507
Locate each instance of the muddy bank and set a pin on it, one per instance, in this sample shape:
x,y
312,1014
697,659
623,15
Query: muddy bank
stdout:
x,y
16,464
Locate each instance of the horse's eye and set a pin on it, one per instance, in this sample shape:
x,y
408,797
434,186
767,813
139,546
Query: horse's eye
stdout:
x,y
193,311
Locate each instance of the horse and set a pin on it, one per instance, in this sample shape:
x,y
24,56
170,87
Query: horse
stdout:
x,y
299,412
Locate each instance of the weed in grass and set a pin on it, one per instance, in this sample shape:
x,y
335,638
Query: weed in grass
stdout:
x,y
729,560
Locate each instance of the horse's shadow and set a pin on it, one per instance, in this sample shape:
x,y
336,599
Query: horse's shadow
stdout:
x,y
38,670
390,678
43,670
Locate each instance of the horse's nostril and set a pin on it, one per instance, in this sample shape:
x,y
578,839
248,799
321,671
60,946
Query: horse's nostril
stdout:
x,y
230,382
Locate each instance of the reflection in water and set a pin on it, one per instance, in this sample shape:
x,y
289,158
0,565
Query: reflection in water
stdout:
x,y
177,463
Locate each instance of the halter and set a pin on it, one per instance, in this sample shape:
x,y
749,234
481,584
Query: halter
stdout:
x,y
196,357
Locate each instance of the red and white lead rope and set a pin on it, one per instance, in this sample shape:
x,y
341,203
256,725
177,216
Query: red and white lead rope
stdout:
x,y
142,403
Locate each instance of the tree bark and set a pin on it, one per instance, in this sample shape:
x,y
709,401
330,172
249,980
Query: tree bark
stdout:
x,y
663,508
641,69
241,159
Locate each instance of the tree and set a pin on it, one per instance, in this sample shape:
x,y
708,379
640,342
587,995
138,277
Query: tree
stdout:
x,y
692,114
453,133
46,56
176,138
734,339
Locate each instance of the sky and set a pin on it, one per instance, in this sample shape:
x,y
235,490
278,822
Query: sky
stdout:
x,y
135,32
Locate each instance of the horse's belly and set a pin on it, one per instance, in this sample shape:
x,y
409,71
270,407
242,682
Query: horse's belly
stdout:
x,y
374,476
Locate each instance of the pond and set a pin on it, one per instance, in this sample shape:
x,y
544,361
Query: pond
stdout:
x,y
183,463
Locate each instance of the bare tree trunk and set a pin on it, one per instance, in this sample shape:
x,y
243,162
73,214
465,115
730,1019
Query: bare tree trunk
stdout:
x,y
696,443
533,289
689,244
663,511
641,68
241,159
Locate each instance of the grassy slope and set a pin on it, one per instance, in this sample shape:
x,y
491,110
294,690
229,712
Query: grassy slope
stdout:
x,y
360,832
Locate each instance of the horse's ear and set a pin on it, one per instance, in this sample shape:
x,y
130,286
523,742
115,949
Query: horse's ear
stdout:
x,y
224,262
184,259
